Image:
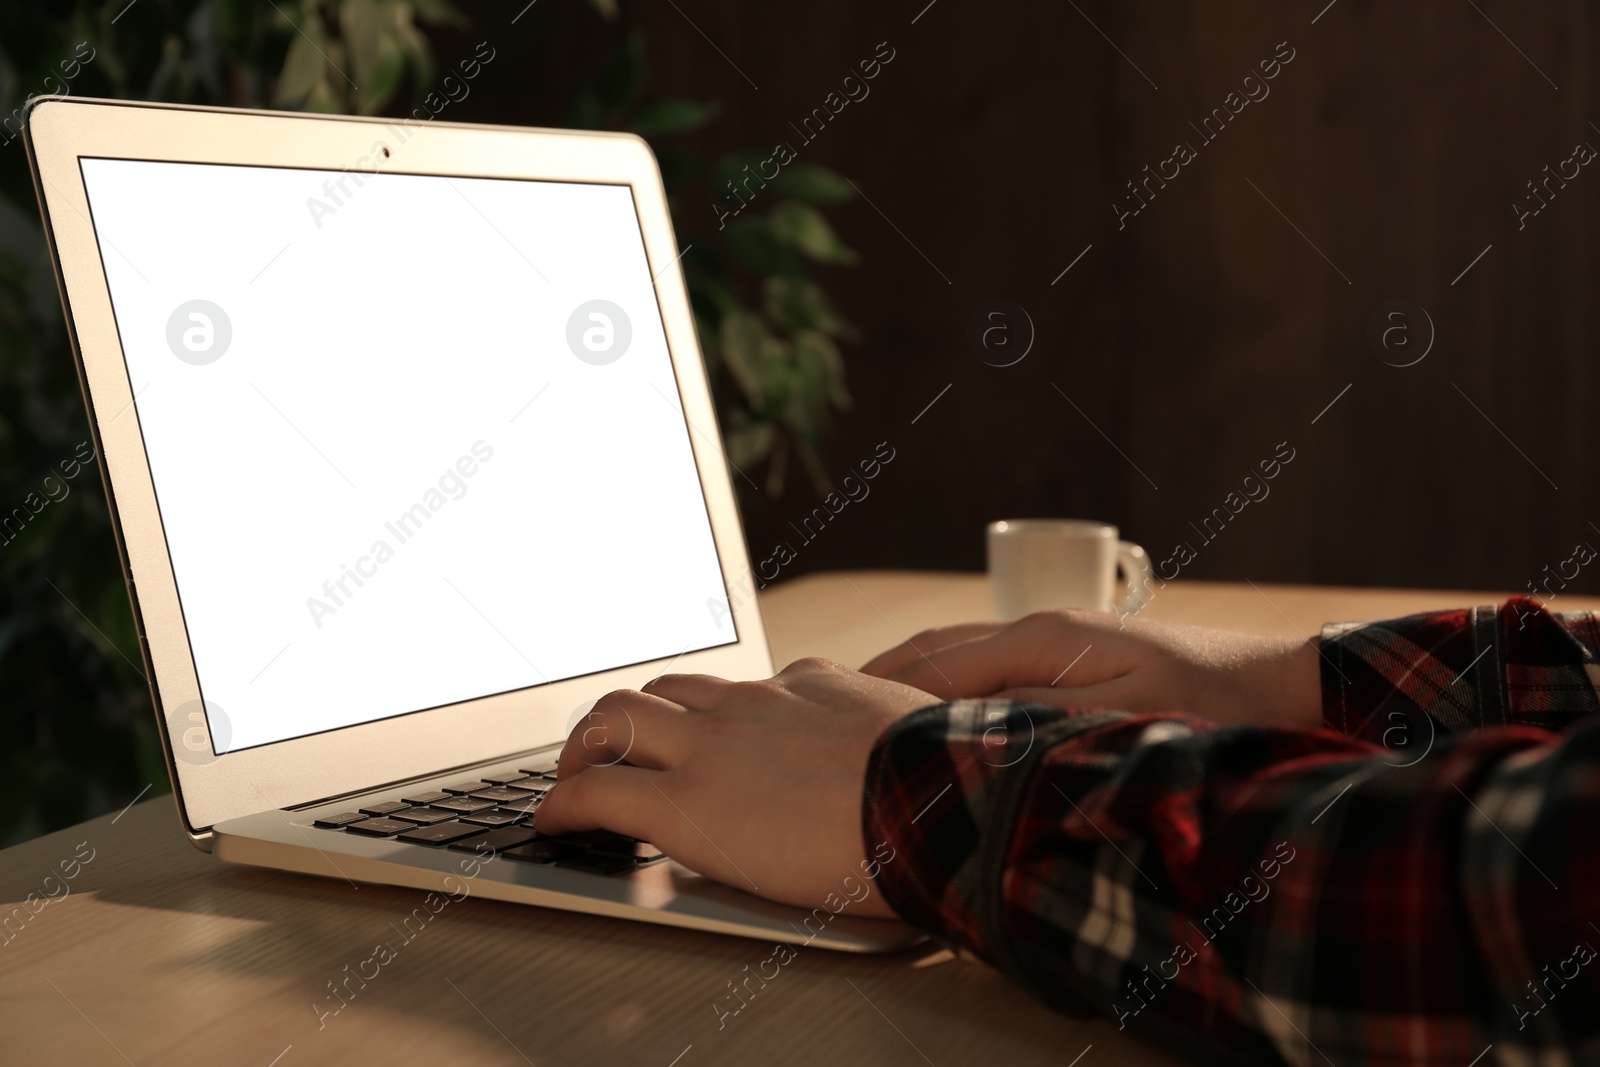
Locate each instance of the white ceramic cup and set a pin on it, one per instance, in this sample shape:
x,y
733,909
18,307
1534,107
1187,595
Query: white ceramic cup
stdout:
x,y
1040,564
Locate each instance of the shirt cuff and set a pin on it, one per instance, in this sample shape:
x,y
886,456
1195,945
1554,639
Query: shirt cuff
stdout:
x,y
1453,671
943,794
923,812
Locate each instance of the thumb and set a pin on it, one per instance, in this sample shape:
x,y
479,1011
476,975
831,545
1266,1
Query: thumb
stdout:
x,y
618,798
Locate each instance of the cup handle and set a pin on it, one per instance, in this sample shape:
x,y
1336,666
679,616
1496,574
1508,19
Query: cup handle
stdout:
x,y
1137,573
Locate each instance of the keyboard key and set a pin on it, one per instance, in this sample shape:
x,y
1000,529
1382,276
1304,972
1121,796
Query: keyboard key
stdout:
x,y
543,850
497,840
463,788
595,863
505,778
425,798
462,804
627,848
442,834
423,816
493,818
380,827
523,807
333,822
499,793
533,785
385,807
604,840
540,772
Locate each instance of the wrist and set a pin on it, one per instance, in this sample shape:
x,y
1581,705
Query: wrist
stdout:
x,y
1297,683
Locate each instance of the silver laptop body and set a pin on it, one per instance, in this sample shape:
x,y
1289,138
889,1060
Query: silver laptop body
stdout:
x,y
411,456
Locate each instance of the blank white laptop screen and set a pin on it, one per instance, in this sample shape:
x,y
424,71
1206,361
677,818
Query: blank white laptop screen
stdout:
x,y
414,439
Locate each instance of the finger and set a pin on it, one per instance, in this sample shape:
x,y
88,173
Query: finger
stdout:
x,y
887,663
1031,654
622,799
822,687
625,725
695,692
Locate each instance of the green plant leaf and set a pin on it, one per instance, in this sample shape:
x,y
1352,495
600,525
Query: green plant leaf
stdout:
x,y
324,100
801,304
707,288
667,117
770,333
802,226
380,86
821,370
363,23
439,13
302,71
736,168
819,185
758,249
749,444
743,343
234,21
414,46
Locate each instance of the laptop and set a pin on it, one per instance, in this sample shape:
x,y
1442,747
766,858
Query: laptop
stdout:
x,y
411,456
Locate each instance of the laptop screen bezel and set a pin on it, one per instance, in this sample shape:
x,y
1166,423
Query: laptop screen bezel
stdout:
x,y
298,771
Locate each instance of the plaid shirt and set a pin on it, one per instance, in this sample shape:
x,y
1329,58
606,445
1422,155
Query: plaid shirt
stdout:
x,y
1414,884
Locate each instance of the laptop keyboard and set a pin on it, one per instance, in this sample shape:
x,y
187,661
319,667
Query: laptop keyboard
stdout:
x,y
493,815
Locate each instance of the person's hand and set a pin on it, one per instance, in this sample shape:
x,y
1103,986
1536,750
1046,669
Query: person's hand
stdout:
x,y
1086,659
756,784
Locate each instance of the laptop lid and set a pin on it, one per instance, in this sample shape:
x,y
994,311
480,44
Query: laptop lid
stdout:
x,y
406,434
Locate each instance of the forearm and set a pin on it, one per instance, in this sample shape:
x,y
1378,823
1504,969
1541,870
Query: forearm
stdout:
x,y
1203,885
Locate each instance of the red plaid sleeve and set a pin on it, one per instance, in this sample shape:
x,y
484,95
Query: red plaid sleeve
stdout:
x,y
1460,670
1271,895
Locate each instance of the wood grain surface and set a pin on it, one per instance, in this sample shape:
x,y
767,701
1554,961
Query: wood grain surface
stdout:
x,y
158,954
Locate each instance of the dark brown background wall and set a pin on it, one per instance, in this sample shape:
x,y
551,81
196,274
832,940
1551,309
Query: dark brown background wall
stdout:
x,y
1224,317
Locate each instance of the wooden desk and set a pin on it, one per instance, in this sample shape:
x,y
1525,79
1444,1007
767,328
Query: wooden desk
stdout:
x,y
160,955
